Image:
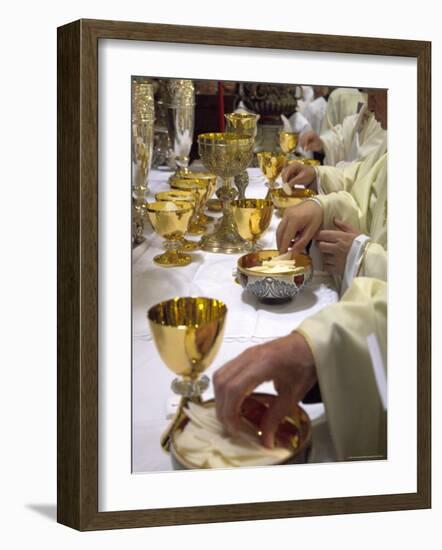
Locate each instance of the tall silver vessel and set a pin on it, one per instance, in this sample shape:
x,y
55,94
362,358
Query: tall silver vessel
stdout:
x,y
181,122
143,119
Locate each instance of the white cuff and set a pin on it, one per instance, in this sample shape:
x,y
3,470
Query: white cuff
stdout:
x,y
353,261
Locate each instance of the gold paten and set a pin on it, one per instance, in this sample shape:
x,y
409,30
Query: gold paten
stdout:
x,y
187,333
281,200
294,431
252,217
170,224
305,161
226,155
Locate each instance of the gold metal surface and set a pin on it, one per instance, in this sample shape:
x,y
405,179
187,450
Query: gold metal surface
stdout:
x,y
226,155
188,333
175,195
294,431
288,141
271,165
170,220
281,200
308,162
252,217
200,189
256,258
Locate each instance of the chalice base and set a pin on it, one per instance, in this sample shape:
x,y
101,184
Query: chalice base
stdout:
x,y
196,229
191,389
172,259
224,239
206,219
188,246
214,205
254,246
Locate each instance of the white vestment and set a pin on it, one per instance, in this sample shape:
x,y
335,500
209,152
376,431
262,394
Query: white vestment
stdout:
x,y
357,194
342,103
355,139
348,376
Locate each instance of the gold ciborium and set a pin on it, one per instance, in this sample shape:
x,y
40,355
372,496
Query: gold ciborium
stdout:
x,y
246,124
200,189
187,333
271,165
170,220
226,155
252,217
176,195
288,142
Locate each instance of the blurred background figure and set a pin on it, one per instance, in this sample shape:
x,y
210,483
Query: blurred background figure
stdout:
x,y
358,136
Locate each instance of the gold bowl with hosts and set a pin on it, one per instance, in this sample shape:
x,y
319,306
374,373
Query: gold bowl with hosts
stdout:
x,y
292,438
272,285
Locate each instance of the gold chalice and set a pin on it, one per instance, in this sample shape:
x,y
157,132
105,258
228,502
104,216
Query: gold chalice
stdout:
x,y
187,333
245,124
226,155
271,165
185,196
252,217
199,188
170,220
211,186
288,142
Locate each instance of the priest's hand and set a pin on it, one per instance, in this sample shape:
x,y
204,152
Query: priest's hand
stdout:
x,y
298,226
287,361
310,141
297,173
335,246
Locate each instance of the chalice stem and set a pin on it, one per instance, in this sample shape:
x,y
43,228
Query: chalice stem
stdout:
x,y
177,419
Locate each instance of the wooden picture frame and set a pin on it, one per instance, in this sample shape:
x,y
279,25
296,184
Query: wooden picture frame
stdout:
x,y
77,226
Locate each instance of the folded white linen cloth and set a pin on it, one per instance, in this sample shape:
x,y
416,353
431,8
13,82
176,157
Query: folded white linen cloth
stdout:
x,y
204,443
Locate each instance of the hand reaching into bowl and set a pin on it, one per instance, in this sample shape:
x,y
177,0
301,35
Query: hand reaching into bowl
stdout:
x,y
298,226
287,361
297,174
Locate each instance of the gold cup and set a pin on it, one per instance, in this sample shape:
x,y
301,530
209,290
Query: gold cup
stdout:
x,y
184,196
170,220
187,333
271,165
288,142
199,188
226,155
211,186
252,217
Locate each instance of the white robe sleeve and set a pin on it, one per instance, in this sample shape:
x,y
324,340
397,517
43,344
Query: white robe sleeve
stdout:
x,y
337,336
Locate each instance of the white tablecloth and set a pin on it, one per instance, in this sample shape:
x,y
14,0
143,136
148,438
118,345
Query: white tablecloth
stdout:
x,y
248,322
